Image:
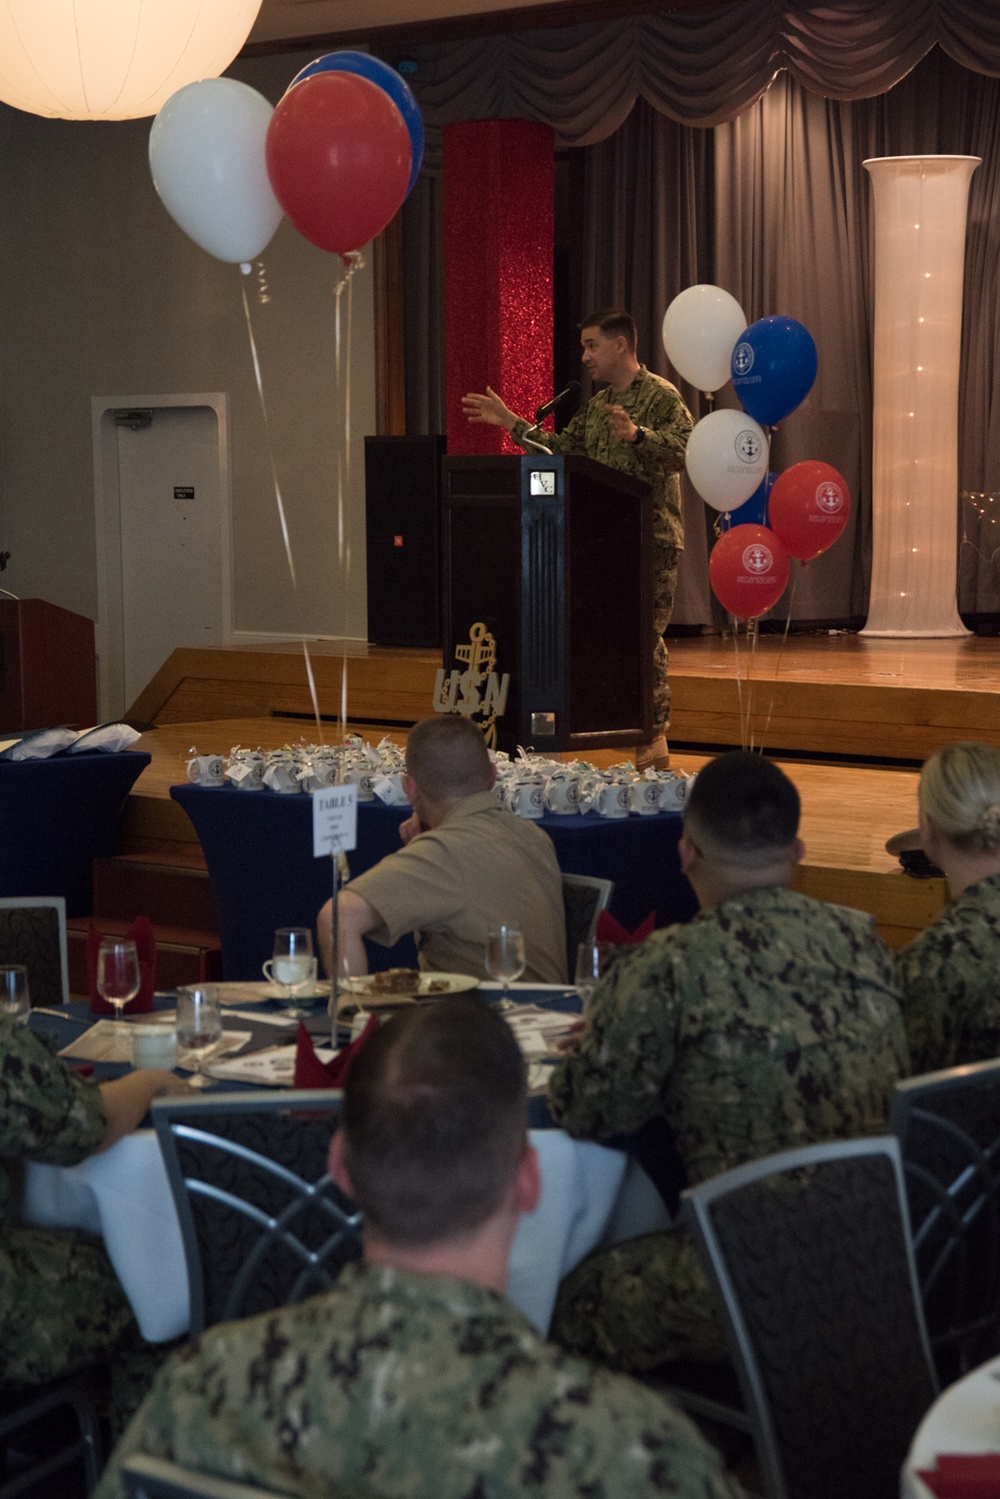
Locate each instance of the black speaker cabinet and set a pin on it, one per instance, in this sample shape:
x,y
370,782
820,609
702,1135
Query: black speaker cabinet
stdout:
x,y
402,500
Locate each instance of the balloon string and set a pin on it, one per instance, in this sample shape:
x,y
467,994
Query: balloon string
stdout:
x,y
280,505
342,396
739,679
781,652
753,635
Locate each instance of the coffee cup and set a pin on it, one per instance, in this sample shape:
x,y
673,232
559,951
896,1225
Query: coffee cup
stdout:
x,y
281,777
673,790
205,770
362,776
644,797
562,795
153,1045
389,789
612,800
527,799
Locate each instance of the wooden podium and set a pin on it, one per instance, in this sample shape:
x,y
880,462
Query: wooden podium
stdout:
x,y
555,556
48,673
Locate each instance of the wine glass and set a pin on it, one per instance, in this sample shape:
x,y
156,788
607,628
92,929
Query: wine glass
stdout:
x,y
199,1028
505,958
118,976
292,965
591,958
15,999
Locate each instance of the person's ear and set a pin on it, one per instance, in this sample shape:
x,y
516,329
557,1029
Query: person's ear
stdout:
x,y
409,788
687,853
337,1166
493,775
528,1182
929,835
798,851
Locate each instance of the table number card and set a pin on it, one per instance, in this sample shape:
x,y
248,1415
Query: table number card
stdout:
x,y
335,820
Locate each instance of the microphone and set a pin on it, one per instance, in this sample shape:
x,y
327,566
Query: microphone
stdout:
x,y
543,411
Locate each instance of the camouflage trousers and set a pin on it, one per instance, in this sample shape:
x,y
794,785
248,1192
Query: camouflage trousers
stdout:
x,y
63,1311
638,1304
667,556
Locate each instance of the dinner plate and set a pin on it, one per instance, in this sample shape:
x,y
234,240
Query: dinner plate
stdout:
x,y
258,992
429,986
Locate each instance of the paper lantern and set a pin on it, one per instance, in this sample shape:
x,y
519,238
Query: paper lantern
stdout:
x,y
114,59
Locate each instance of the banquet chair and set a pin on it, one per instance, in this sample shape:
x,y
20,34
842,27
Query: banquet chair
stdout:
x,y
948,1126
810,1255
584,898
155,1478
45,1452
262,1223
33,932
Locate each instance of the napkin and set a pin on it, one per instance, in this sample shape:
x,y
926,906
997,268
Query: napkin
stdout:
x,y
141,933
610,930
964,1475
310,1072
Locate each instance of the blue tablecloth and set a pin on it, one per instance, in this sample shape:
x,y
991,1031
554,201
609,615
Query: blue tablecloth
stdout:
x,y
258,847
57,816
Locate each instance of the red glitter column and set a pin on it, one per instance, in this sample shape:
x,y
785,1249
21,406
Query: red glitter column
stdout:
x,y
498,188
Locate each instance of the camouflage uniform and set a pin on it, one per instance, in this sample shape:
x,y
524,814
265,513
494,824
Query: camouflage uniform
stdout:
x,y
767,1022
656,406
950,978
62,1308
410,1386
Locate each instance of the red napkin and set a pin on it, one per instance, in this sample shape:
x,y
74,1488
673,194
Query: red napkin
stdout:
x,y
610,930
964,1475
310,1072
141,933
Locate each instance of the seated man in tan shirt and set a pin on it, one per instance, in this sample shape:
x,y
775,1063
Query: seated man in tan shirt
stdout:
x,y
466,865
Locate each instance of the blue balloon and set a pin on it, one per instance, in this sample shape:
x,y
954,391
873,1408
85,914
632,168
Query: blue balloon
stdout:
x,y
387,79
774,366
752,512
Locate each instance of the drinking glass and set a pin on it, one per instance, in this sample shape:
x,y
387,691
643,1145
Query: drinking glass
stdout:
x,y
118,976
505,958
15,999
199,1028
591,958
292,965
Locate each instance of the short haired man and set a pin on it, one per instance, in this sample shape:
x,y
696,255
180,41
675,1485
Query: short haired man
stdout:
x,y
639,425
466,865
414,1378
769,1021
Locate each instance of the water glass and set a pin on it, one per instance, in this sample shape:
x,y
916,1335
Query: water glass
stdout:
x,y
15,999
199,1028
118,975
505,959
292,965
591,959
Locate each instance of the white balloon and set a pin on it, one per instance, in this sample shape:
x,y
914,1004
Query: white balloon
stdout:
x,y
206,154
700,330
726,458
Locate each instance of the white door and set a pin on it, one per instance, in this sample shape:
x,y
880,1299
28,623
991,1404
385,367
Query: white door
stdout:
x,y
170,515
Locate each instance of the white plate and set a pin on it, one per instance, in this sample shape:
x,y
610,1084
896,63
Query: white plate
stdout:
x,y
259,992
454,983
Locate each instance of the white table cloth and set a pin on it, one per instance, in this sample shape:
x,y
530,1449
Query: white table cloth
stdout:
x,y
965,1418
590,1196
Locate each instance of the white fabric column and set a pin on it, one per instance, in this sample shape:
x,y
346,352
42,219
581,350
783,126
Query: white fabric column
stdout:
x,y
920,215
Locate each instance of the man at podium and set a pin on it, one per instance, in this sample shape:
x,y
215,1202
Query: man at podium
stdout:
x,y
640,425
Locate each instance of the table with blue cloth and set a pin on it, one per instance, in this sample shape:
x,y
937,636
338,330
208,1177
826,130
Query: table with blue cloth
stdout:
x,y
591,1195
57,817
258,848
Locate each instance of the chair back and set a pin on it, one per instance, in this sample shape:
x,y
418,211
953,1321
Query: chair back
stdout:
x,y
66,1413
263,1225
155,1478
948,1126
584,898
809,1252
33,932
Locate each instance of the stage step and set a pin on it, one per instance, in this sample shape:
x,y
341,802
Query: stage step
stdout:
x,y
171,887
183,955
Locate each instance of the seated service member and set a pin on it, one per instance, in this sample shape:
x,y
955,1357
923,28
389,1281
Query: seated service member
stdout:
x,y
769,1021
413,1378
466,866
62,1309
950,973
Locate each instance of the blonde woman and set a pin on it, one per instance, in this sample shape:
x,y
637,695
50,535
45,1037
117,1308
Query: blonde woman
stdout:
x,y
950,974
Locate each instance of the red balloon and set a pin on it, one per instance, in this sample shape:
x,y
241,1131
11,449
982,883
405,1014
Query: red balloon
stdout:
x,y
338,156
748,570
808,507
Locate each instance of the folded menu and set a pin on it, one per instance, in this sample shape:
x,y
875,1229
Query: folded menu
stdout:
x,y
966,1475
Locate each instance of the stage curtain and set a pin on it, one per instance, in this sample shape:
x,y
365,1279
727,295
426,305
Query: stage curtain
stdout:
x,y
701,66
